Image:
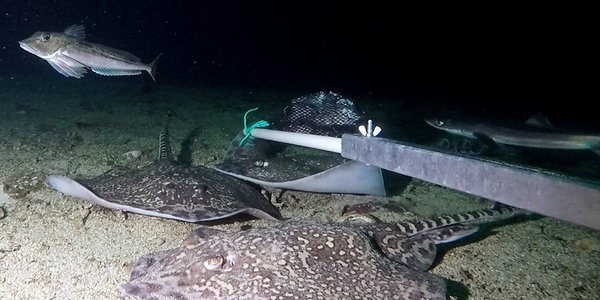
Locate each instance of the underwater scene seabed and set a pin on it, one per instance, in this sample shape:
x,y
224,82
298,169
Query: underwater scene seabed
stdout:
x,y
330,245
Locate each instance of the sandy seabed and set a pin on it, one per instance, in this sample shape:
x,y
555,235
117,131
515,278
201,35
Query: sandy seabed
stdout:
x,y
58,247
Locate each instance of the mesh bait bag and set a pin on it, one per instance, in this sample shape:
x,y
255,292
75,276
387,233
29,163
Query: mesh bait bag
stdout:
x,y
327,114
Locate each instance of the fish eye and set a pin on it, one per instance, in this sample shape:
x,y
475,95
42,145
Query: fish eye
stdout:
x,y
45,37
213,262
439,123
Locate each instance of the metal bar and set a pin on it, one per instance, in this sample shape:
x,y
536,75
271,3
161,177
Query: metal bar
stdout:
x,y
539,191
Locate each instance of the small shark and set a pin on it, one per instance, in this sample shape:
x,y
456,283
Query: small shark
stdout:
x,y
70,55
526,137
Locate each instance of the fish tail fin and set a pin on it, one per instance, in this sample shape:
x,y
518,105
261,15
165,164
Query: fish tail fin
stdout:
x,y
152,66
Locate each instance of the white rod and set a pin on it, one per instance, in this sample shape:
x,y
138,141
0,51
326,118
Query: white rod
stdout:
x,y
326,143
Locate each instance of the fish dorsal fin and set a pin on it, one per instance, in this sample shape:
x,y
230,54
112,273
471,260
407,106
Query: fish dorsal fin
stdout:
x,y
164,145
76,31
539,120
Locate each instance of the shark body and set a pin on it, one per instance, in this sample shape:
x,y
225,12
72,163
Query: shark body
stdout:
x,y
527,137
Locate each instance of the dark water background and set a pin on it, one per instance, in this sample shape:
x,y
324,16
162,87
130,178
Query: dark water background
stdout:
x,y
513,60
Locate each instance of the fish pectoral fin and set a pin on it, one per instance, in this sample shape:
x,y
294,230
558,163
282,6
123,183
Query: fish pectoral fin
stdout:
x,y
417,252
58,69
486,140
73,188
115,72
68,67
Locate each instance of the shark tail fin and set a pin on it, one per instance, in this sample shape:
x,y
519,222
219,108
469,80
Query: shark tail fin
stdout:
x,y
152,66
164,145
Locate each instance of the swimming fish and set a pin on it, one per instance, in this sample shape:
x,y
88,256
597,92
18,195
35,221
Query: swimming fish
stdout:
x,y
525,137
70,55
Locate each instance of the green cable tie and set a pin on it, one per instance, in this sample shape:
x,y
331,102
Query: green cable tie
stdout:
x,y
249,129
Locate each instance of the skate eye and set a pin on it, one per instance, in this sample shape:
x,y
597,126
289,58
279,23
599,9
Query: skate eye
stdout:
x,y
213,263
